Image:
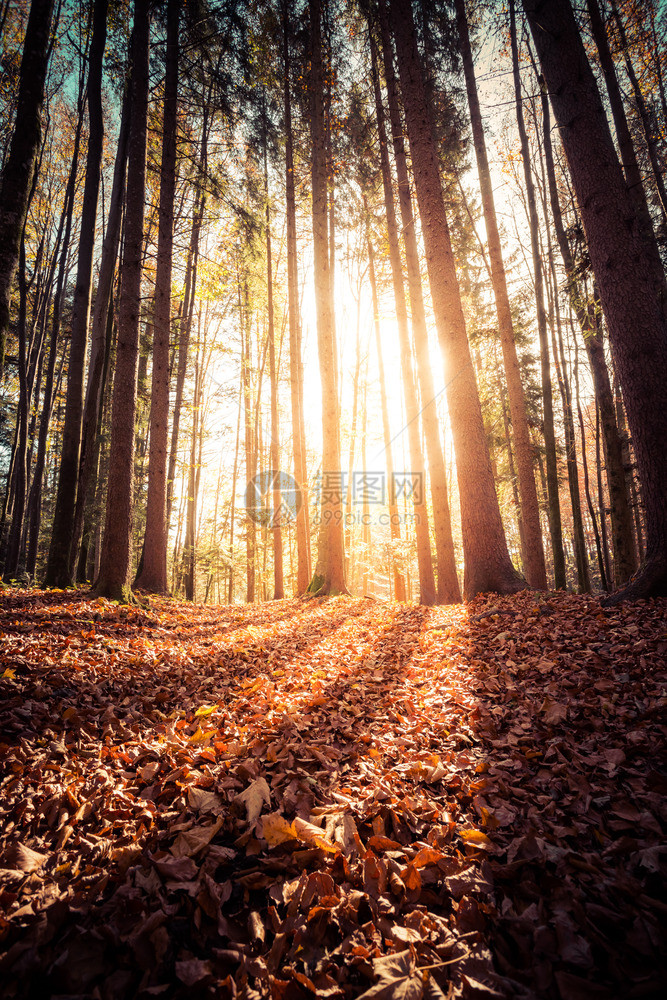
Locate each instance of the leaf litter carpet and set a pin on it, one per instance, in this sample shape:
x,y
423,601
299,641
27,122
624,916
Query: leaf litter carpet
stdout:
x,y
338,798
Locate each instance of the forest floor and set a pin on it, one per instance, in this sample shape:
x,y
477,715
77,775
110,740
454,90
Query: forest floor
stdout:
x,y
332,798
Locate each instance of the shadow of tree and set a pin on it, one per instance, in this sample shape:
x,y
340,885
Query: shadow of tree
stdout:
x,y
572,798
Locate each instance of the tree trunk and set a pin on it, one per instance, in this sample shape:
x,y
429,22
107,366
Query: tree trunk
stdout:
x,y
579,541
427,589
250,454
153,575
35,495
21,448
349,517
530,529
296,374
449,591
100,339
555,525
199,204
278,585
189,553
601,501
633,295
487,562
587,486
621,521
17,173
232,502
60,567
329,575
394,517
114,579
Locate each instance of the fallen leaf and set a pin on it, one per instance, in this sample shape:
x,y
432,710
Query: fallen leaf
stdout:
x,y
20,858
254,798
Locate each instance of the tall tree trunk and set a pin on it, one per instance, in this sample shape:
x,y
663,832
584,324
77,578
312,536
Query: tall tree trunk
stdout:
x,y
17,173
621,521
487,562
277,533
555,525
250,438
91,506
529,511
427,589
349,528
601,500
100,339
232,502
60,568
296,373
448,584
329,575
632,293
114,578
394,517
189,553
21,449
153,575
587,485
35,495
579,541
199,205
629,468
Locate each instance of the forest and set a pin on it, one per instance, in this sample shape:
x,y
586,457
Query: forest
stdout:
x,y
333,499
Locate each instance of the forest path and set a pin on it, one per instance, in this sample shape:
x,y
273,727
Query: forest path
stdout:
x,y
329,798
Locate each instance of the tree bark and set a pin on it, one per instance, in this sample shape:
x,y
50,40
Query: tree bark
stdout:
x,y
249,438
296,373
633,296
427,589
555,525
153,575
60,568
394,517
329,575
100,339
35,495
579,541
587,487
199,205
277,534
21,447
114,579
449,591
17,173
487,562
529,512
621,519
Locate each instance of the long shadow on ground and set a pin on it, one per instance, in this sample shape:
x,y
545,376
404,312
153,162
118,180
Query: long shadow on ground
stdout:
x,y
473,790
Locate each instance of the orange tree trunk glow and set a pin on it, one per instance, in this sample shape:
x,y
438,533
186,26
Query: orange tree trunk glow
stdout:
x,y
487,563
329,575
